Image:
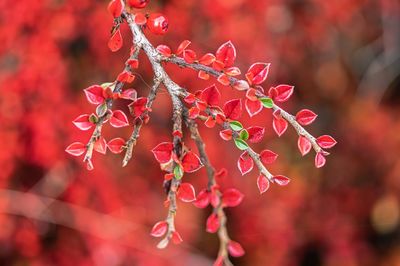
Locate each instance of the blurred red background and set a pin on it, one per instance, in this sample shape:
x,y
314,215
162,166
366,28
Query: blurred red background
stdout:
x,y
343,57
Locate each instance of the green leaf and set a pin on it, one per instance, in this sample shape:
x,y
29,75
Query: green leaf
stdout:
x,y
244,134
178,172
241,144
267,102
93,119
235,125
101,109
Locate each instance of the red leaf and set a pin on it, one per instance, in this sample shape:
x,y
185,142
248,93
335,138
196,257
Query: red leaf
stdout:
x,y
235,249
251,94
139,106
189,56
100,146
186,192
116,145
203,75
280,125
233,109
201,105
194,112
202,199
220,118
191,162
118,119
140,19
115,42
304,145
176,238
214,199
212,223
211,95
255,134
177,133
221,173
182,46
223,79
94,94
277,113
108,93
115,8
126,77
133,63
169,176
164,50
210,122
232,71
305,117
163,152
232,197
241,85
245,163
218,65
207,59
226,134
281,180
226,54
82,122
190,98
262,183
253,107
257,73
129,94
281,93
268,156
159,229
76,149
320,160
137,3
326,141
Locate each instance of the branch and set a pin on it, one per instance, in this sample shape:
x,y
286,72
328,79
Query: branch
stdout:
x,y
201,147
139,122
171,199
232,81
176,92
222,230
253,154
154,57
99,124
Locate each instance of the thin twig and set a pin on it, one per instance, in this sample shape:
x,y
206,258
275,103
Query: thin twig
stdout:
x,y
232,80
139,122
222,230
99,124
177,142
253,154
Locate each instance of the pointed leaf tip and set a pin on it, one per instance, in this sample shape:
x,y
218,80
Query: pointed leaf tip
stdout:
x,y
76,149
186,192
245,163
118,119
159,229
262,183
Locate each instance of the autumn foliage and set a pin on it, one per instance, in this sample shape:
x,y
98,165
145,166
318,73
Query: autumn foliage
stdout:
x,y
182,138
202,106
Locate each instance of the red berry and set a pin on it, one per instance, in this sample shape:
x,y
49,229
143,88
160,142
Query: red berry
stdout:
x,y
138,3
157,23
